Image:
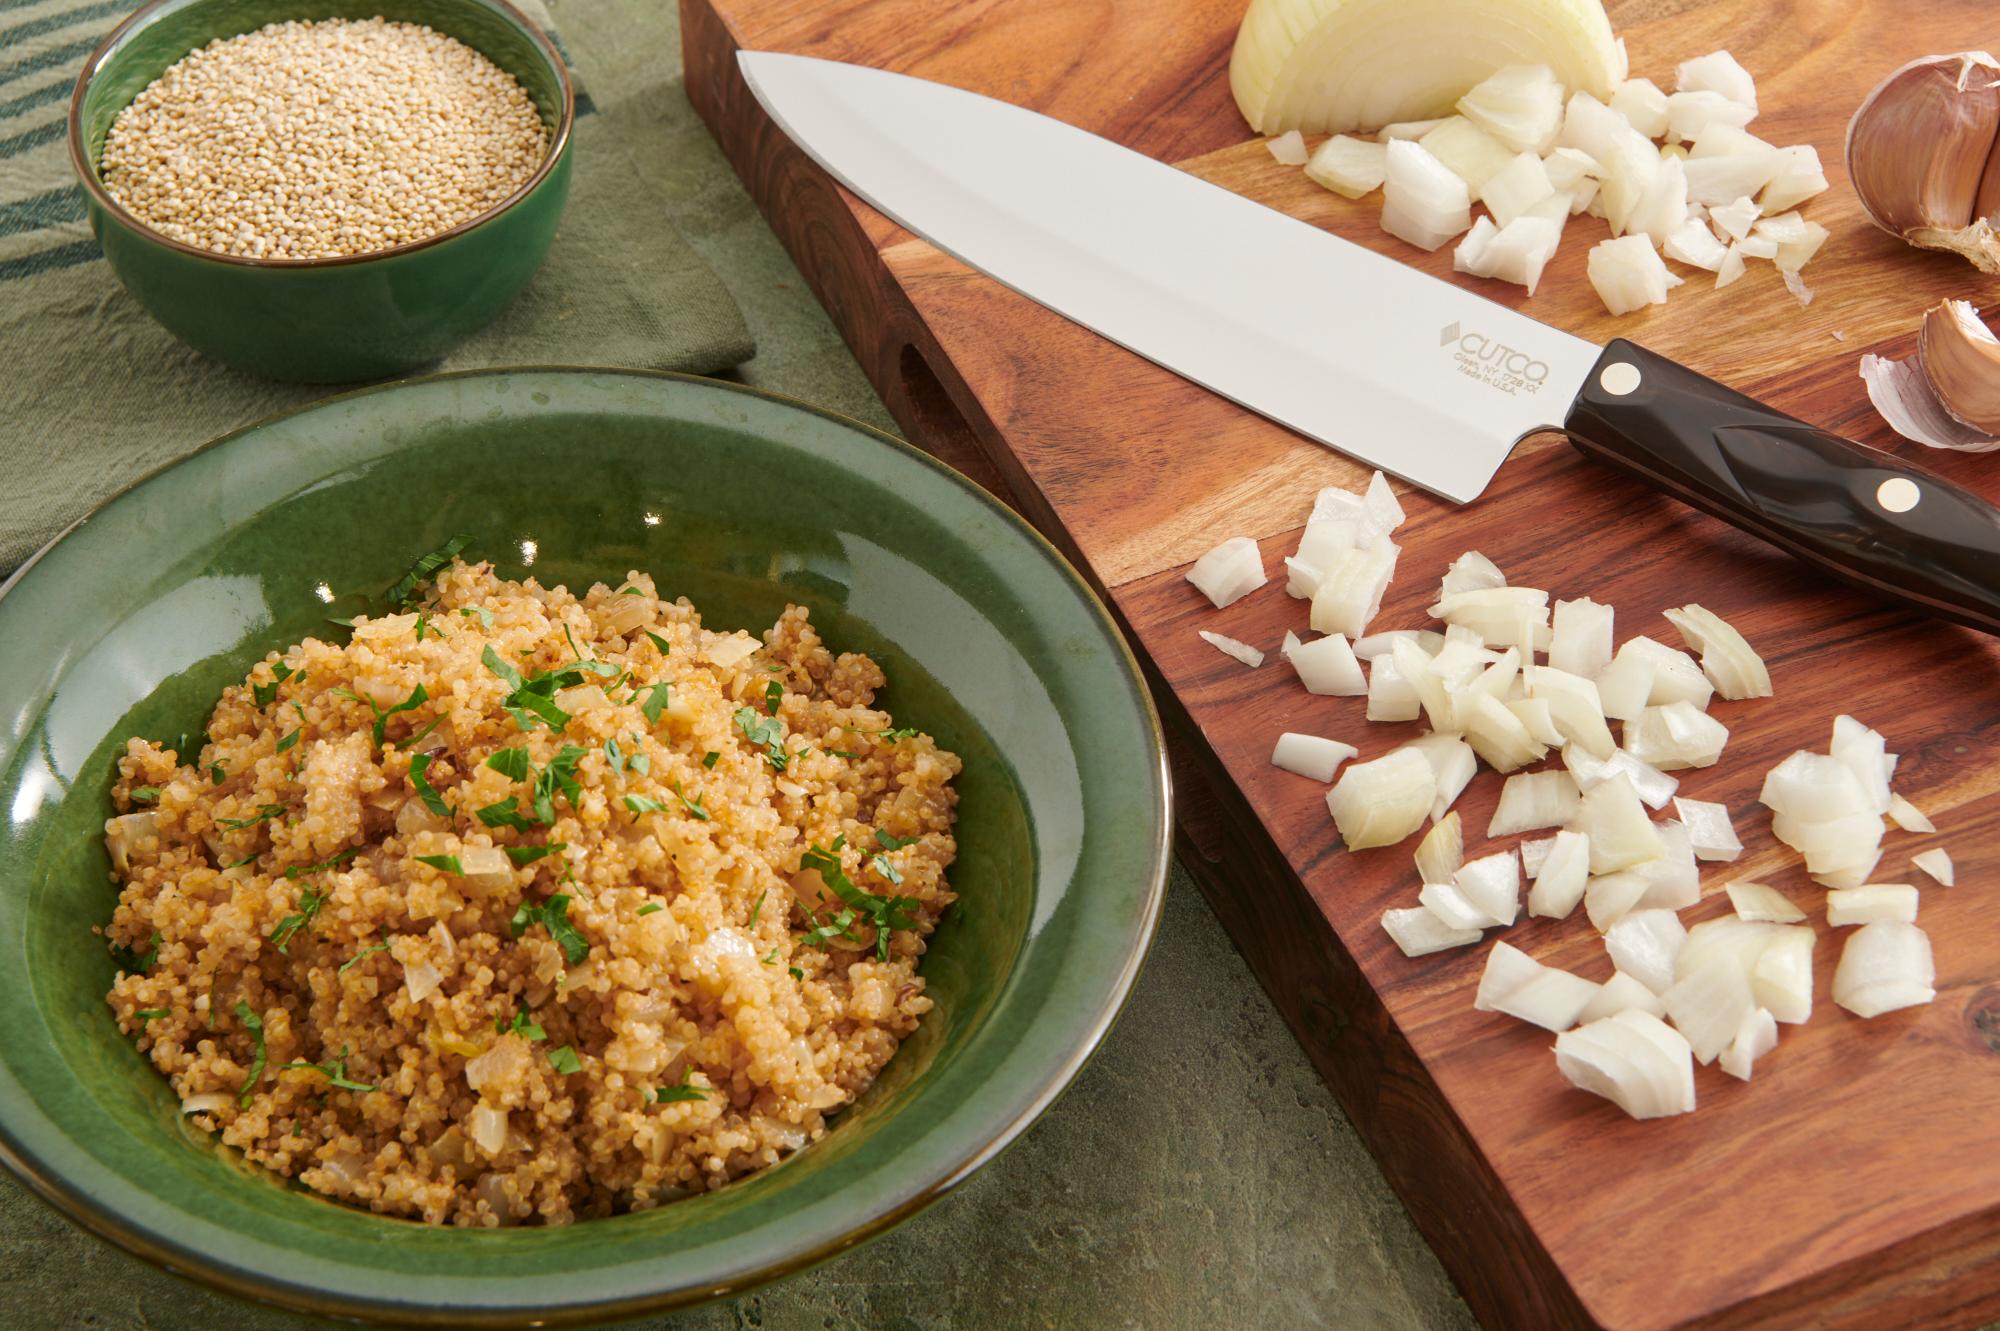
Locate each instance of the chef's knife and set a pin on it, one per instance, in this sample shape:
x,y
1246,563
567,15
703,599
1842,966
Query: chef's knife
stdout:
x,y
1357,351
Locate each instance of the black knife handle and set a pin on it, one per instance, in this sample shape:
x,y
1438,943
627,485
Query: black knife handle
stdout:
x,y
1855,511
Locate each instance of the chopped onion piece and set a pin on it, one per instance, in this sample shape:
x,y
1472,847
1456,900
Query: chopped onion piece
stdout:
x,y
207,1102
1609,898
1381,644
1621,835
1452,763
1676,736
1662,205
1627,274
1533,855
1720,73
1813,787
1496,734
1520,105
1673,881
1419,933
1570,169
1530,801
1575,710
1797,286
1689,114
1517,985
1517,252
1732,268
1380,503
1327,666
1379,803
1580,644
1441,851
1755,1037
1228,646
1908,816
1492,884
1727,164
1536,719
1676,677
1452,907
1466,150
1348,166
1310,755
1289,148
1736,219
1708,1006
1799,177
1423,201
1730,663
1497,614
1694,244
1755,901
1562,876
1352,590
1643,105
1632,1059
1782,974
1644,944
1937,864
1390,696
1653,786
1408,129
1515,188
1710,832
1229,572
1871,902
1622,993
1865,753
1885,966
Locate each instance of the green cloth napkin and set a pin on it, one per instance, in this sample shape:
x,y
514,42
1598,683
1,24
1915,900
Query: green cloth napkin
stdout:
x,y
94,394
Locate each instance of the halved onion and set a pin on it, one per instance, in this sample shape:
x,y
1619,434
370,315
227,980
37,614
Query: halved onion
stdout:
x,y
1885,966
1530,801
1871,902
1644,945
1710,832
1633,1059
1229,572
1419,933
1937,864
1562,877
1310,755
1379,803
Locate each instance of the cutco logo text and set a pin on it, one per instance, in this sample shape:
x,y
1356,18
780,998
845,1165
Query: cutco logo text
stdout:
x,y
1494,364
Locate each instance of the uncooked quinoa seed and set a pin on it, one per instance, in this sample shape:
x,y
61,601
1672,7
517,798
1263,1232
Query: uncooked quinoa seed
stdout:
x,y
318,140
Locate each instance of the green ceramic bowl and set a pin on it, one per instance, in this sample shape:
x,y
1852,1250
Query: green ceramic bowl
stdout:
x,y
325,320
133,621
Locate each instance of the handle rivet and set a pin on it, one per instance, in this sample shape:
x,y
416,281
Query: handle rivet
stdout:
x,y
1619,378
1898,494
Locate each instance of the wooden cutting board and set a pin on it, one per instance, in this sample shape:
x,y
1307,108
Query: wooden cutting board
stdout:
x,y
1856,1181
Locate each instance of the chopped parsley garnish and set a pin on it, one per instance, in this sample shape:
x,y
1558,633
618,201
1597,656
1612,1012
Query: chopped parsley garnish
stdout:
x,y
659,642
768,732
418,697
529,854
885,913
685,1090
448,863
758,908
629,590
419,764
334,1070
602,669
425,626
841,925
888,736
693,805
770,958
641,763
266,694
310,901
146,795
656,700
216,776
420,572
298,871
287,741
506,814
247,859
522,1025
797,974
564,1060
558,776
484,615
774,693
887,870
356,958
436,721
531,699
150,1013
845,753
264,813
711,758
553,915
615,755
641,804
887,842
511,763
650,907
255,1024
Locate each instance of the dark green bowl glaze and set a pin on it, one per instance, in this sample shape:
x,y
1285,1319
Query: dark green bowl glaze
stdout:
x,y
134,620
325,320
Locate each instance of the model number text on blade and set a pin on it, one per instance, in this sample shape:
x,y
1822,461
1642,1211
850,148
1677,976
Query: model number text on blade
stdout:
x,y
1493,363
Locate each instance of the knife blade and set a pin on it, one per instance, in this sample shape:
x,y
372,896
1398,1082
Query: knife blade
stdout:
x,y
1377,360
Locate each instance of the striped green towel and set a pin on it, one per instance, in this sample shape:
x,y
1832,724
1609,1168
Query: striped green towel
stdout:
x,y
94,394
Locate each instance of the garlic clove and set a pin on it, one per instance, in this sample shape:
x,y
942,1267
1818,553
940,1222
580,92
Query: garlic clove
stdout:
x,y
1918,152
1960,357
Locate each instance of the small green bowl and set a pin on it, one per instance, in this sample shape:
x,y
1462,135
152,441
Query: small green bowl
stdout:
x,y
326,320
133,622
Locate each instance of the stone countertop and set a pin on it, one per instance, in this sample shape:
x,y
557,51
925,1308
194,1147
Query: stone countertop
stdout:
x,y
1198,1174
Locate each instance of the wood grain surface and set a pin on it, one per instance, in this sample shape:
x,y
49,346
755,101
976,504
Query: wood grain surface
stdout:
x,y
1854,1182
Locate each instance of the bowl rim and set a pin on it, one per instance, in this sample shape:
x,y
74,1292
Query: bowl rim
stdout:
x,y
144,15
104,1222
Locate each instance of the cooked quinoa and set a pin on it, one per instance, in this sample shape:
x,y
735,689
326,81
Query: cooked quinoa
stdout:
x,y
315,140
531,900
